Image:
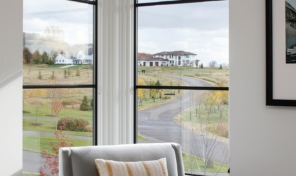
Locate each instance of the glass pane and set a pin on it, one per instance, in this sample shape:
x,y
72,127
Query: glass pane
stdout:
x,y
196,119
48,114
184,44
58,42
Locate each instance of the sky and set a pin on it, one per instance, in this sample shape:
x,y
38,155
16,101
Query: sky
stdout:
x,y
292,2
201,28
74,18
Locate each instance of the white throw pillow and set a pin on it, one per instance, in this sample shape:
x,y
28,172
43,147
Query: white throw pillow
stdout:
x,y
141,168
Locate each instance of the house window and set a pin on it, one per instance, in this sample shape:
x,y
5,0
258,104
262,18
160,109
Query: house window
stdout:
x,y
174,104
54,96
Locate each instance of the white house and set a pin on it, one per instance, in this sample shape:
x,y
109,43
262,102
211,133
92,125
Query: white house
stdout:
x,y
80,58
169,58
63,59
148,61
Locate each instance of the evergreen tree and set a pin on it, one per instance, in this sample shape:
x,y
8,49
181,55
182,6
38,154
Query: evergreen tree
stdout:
x,y
157,83
85,106
65,73
220,66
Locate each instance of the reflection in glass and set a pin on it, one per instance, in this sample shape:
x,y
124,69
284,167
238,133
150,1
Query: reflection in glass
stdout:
x,y
48,114
184,44
58,42
196,119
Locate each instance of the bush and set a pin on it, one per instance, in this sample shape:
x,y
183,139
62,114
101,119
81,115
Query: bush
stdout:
x,y
85,106
66,102
73,124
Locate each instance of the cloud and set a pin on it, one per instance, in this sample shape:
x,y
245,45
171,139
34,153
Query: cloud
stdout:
x,y
76,19
201,28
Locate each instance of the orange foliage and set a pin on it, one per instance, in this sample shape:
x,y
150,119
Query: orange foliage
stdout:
x,y
52,161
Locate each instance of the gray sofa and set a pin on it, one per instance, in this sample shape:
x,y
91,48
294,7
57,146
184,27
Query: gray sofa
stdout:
x,y
80,161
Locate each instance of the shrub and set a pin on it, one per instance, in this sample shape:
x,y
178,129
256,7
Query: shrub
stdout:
x,y
85,106
66,102
39,76
73,124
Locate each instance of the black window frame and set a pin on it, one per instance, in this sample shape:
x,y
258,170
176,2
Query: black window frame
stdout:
x,y
94,86
136,86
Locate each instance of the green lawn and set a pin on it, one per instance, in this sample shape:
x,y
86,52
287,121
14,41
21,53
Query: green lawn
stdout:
x,y
27,174
46,110
37,144
49,127
140,138
191,164
190,115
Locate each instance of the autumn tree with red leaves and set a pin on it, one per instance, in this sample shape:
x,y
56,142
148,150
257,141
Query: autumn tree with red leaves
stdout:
x,y
52,161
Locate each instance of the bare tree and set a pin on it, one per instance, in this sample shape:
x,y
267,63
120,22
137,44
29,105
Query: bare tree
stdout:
x,y
207,137
54,33
213,63
38,103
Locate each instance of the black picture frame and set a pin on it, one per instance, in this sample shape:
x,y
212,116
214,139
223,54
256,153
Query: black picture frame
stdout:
x,y
270,101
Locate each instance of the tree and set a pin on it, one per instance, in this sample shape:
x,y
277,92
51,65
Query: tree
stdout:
x,y
201,65
160,94
213,63
27,56
65,73
37,57
38,103
144,55
56,108
220,66
78,73
140,92
208,140
54,33
53,76
52,160
37,94
39,76
157,83
85,106
196,63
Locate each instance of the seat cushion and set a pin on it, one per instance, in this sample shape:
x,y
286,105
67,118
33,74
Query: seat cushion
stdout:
x,y
142,168
83,158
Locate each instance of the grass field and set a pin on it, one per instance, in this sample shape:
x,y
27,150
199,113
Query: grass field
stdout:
x,y
214,121
211,75
46,110
37,144
191,163
28,174
30,74
49,127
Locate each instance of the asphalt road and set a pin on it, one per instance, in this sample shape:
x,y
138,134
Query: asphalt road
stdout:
x,y
156,123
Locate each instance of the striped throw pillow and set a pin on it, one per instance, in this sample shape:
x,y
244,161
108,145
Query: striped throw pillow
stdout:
x,y
143,168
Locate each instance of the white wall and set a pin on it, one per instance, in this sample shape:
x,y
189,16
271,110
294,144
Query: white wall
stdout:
x,y
262,139
11,43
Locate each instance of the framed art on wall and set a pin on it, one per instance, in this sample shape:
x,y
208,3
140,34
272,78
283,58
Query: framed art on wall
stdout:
x,y
281,52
